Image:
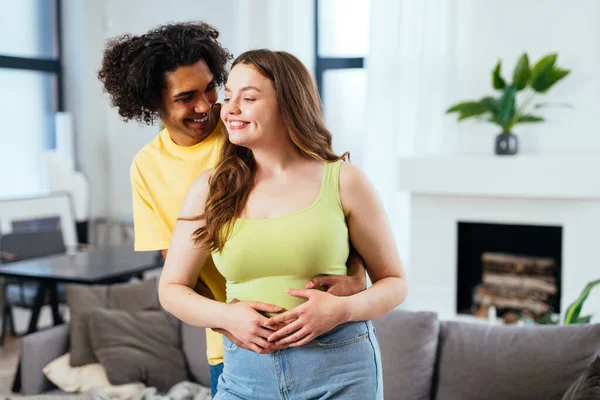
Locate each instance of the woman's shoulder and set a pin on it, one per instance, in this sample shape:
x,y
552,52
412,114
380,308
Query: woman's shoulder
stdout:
x,y
351,175
354,184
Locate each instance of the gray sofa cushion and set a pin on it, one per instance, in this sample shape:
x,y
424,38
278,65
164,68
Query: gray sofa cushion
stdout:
x,y
82,299
138,347
408,342
512,362
37,350
193,342
587,386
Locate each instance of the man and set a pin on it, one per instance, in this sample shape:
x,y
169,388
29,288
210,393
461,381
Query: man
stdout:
x,y
172,73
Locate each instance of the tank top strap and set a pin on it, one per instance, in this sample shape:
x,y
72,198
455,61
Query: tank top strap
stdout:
x,y
331,182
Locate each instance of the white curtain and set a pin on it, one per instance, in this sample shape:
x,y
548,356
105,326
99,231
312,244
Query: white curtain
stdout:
x,y
408,67
277,25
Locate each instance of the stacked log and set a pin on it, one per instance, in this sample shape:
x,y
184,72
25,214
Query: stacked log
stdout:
x,y
517,283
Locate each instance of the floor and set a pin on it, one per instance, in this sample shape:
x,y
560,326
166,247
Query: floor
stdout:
x,y
9,354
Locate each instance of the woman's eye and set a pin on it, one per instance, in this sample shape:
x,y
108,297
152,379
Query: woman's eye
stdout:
x,y
225,100
248,99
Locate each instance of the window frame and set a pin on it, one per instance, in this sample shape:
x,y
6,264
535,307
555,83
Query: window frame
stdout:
x,y
324,64
39,64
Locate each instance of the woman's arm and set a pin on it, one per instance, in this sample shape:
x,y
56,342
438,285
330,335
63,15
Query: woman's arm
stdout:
x,y
180,273
372,237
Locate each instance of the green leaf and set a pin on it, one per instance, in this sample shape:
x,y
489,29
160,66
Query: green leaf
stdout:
x,y
491,103
497,80
522,72
550,78
584,320
558,74
572,313
541,73
529,118
470,109
506,107
545,105
547,319
466,106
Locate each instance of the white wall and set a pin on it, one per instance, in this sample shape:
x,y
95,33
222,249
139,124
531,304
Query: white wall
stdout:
x,y
488,30
427,54
106,144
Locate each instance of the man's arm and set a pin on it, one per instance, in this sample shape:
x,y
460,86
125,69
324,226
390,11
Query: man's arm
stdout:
x,y
340,285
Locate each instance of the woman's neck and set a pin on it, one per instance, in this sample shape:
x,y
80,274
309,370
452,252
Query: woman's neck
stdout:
x,y
274,161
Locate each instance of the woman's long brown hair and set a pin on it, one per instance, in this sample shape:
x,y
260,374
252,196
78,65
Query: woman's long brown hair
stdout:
x,y
300,106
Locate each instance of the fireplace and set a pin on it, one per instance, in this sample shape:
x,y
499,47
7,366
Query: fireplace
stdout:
x,y
515,268
536,195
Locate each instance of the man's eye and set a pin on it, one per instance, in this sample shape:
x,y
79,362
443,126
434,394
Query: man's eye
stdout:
x,y
184,100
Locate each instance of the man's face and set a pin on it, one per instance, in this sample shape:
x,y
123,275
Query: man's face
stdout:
x,y
187,104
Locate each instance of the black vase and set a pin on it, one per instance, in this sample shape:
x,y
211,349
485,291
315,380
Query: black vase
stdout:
x,y
506,144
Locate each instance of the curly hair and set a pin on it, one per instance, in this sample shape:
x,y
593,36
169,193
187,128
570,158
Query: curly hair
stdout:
x,y
133,67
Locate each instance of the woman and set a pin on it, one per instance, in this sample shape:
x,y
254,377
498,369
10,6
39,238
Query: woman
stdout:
x,y
279,209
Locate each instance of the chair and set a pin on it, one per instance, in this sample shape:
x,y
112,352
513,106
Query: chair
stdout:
x,y
17,292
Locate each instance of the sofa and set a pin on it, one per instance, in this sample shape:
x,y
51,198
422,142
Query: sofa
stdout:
x,y
423,358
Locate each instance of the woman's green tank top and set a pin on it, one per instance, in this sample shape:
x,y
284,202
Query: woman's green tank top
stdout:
x,y
264,257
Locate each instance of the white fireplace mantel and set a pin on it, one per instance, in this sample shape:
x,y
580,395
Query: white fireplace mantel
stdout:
x,y
502,176
529,190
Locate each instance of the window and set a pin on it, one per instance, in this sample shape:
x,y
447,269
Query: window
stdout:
x,y
341,44
30,94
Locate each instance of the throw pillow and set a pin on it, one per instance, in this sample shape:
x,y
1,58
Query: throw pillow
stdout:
x,y
82,299
587,386
143,346
81,379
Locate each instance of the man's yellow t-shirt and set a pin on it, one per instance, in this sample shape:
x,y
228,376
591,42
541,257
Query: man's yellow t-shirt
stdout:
x,y
161,174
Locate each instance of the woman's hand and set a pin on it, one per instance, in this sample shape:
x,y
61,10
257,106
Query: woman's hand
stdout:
x,y
249,327
321,313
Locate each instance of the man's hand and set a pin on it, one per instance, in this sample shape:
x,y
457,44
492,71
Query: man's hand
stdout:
x,y
341,285
338,285
272,346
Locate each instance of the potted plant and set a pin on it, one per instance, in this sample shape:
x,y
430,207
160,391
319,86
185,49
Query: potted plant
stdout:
x,y
503,109
572,314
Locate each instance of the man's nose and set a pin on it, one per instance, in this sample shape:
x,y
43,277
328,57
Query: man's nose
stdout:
x,y
203,105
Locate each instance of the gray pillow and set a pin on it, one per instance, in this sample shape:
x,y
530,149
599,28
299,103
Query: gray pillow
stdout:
x,y
408,342
587,386
512,362
138,347
83,299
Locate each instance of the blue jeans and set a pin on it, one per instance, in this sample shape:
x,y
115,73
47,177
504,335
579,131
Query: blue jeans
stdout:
x,y
344,363
215,373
